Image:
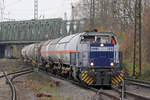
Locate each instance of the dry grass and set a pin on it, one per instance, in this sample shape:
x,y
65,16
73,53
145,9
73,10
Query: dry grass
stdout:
x,y
41,85
37,83
10,65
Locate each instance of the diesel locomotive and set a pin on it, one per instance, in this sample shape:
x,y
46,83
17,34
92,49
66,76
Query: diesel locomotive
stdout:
x,y
92,58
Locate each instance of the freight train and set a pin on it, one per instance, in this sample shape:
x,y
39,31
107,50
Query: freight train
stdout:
x,y
92,58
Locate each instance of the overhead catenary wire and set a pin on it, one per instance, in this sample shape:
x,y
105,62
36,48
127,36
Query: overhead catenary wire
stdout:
x,y
3,8
14,3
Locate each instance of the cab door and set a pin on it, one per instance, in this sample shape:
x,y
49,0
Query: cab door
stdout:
x,y
83,54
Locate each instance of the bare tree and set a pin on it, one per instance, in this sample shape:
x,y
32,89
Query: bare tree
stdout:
x,y
111,14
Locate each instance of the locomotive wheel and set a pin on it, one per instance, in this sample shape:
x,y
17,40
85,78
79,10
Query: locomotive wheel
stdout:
x,y
70,75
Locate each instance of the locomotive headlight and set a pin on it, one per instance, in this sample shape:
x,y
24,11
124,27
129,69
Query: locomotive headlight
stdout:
x,y
92,64
101,44
111,64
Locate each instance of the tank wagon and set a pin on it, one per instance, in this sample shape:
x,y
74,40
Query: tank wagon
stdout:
x,y
92,58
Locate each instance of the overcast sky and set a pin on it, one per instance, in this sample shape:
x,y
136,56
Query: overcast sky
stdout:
x,y
24,9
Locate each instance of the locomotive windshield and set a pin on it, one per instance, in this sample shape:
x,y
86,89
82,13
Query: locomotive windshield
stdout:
x,y
103,39
97,39
87,39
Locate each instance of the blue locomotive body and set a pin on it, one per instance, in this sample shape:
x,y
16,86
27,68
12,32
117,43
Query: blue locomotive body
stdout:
x,y
102,56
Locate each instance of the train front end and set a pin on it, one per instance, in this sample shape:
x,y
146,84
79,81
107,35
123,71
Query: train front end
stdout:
x,y
99,58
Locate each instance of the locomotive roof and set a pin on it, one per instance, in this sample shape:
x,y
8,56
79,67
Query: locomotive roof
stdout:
x,y
99,33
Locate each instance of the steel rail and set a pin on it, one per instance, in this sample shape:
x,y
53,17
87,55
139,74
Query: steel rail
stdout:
x,y
138,82
138,96
106,94
16,72
17,75
20,74
127,93
13,89
82,86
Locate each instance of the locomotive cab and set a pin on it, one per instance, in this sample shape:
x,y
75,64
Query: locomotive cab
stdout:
x,y
98,53
100,49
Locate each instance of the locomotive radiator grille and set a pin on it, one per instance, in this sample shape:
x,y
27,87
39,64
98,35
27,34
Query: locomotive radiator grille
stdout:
x,y
86,78
118,78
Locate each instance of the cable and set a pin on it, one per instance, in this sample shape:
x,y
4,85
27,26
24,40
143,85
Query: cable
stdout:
x,y
14,3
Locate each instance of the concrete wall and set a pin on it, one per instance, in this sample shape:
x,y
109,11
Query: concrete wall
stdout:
x,y
12,51
2,51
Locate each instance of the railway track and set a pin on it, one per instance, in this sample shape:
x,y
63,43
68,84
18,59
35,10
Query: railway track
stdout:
x,y
129,94
114,94
10,80
13,73
138,83
98,92
12,87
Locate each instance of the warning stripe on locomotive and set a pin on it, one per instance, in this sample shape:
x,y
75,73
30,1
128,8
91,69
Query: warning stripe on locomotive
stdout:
x,y
86,78
118,78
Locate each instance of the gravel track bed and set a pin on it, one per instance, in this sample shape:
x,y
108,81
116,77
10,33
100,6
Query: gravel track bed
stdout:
x,y
138,90
23,93
5,92
71,91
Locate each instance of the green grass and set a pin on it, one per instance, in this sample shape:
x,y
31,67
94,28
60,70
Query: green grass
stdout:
x,y
36,82
10,65
128,67
145,75
68,98
45,88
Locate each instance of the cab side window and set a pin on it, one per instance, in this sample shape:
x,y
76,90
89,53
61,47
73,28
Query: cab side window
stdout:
x,y
113,41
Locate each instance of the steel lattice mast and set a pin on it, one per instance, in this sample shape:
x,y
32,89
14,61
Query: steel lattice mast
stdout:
x,y
137,38
35,9
92,14
36,45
